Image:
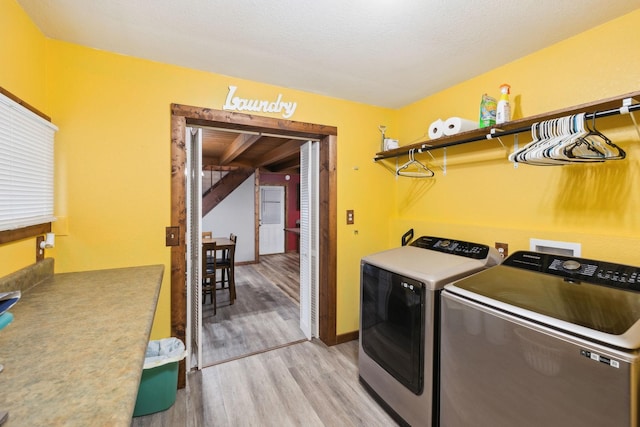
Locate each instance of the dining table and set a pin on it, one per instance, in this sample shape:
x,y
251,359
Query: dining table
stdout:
x,y
221,242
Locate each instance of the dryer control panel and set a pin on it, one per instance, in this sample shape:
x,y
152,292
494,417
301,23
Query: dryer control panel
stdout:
x,y
578,269
454,247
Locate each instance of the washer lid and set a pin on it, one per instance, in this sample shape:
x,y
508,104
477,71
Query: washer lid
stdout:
x,y
433,268
573,294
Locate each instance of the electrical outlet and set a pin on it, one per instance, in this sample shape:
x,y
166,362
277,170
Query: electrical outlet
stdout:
x,y
503,249
350,217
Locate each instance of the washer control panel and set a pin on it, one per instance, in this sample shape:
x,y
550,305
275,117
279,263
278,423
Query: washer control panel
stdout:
x,y
578,269
450,246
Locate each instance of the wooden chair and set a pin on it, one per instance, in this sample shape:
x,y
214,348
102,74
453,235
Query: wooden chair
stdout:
x,y
207,235
226,264
209,270
230,270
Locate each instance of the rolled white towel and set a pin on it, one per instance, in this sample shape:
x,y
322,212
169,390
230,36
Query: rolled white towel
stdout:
x,y
436,129
455,125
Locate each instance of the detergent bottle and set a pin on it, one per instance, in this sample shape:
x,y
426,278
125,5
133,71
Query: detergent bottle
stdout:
x,y
487,111
503,112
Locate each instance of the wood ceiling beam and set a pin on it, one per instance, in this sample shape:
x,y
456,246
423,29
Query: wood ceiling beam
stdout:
x,y
284,151
239,145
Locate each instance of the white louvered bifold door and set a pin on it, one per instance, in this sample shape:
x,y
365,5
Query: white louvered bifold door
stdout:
x,y
309,154
193,239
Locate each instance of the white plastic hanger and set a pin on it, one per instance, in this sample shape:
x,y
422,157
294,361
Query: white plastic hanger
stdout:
x,y
566,140
421,171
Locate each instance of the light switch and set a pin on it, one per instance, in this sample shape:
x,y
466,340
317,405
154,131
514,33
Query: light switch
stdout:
x,y
349,216
172,236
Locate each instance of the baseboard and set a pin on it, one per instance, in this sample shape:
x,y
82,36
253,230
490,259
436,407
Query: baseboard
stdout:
x,y
349,336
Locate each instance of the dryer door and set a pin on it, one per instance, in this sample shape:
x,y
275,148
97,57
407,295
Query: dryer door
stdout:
x,y
392,324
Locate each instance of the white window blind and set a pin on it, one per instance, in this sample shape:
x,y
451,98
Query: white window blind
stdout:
x,y
26,167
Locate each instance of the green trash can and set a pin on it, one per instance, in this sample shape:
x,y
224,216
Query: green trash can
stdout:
x,y
159,382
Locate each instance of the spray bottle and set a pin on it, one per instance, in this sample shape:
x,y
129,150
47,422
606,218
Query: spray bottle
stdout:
x,y
503,112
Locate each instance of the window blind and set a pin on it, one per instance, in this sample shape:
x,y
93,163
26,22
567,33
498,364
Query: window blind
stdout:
x,y
26,167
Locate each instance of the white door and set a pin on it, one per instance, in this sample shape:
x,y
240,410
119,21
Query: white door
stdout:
x,y
193,183
271,219
309,231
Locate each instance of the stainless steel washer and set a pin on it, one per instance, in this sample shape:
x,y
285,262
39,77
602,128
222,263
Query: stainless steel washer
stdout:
x,y
399,321
542,340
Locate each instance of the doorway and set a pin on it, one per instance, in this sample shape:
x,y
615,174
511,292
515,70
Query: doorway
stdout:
x,y
181,117
272,219
264,315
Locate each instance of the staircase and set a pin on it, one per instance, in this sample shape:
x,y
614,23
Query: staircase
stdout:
x,y
222,188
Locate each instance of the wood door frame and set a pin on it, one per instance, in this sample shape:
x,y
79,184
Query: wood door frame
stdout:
x,y
183,116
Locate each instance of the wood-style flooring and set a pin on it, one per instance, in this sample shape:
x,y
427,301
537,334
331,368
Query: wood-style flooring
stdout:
x,y
303,384
261,374
263,316
283,270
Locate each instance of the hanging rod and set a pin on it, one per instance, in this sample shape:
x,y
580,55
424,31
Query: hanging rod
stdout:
x,y
495,132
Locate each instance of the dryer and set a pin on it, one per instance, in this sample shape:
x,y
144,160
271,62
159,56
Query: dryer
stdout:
x,y
399,321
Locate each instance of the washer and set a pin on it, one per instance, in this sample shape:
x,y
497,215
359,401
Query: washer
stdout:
x,y
542,340
399,321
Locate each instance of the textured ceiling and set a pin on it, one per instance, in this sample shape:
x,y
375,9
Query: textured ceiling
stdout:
x,y
380,52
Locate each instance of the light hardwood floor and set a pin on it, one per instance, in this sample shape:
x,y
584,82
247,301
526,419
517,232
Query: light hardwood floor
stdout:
x,y
262,375
303,384
283,270
263,316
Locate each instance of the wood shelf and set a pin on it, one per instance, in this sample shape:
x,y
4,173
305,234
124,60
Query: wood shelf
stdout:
x,y
609,106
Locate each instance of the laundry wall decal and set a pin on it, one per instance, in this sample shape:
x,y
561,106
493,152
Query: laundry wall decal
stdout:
x,y
236,103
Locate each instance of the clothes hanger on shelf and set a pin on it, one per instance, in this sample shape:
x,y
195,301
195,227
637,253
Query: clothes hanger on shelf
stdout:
x,y
595,139
567,140
576,148
569,134
420,170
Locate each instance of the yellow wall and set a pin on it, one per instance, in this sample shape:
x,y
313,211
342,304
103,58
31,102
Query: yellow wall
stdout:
x,y
113,160
113,156
23,64
22,72
484,198
113,114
